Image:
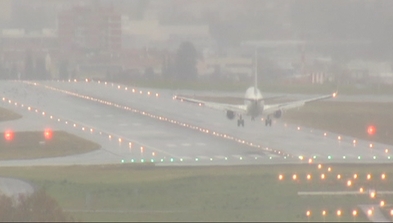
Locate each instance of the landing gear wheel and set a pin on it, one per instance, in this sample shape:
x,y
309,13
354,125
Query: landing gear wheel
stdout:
x,y
240,122
268,122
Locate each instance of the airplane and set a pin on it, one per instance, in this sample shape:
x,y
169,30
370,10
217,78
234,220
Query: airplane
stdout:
x,y
254,105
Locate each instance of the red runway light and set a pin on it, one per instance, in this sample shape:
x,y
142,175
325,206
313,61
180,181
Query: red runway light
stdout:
x,y
48,134
8,135
371,130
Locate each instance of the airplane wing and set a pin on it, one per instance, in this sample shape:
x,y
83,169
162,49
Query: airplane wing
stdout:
x,y
262,99
239,109
270,109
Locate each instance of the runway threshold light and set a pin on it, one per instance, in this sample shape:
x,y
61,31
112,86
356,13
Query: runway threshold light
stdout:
x,y
371,130
48,134
8,135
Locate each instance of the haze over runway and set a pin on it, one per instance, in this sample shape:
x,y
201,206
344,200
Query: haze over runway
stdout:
x,y
147,125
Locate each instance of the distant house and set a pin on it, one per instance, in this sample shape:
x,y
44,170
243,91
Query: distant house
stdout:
x,y
370,72
229,67
138,33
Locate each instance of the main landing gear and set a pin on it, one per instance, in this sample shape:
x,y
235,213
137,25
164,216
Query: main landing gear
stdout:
x,y
268,121
240,121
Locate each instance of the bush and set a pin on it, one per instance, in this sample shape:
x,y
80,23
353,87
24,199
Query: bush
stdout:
x,y
36,207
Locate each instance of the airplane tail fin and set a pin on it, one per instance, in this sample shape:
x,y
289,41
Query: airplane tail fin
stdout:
x,y
256,73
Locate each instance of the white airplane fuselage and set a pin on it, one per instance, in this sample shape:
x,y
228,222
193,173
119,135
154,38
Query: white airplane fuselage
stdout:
x,y
253,102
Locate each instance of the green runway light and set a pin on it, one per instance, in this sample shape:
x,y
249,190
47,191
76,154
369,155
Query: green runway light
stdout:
x,y
132,160
358,157
142,160
241,158
171,159
256,158
162,160
196,159
226,158
181,159
329,157
211,159
285,157
343,157
388,157
152,160
314,157
374,157
122,161
271,157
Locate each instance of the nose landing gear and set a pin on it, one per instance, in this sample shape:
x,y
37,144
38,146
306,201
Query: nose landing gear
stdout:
x,y
240,121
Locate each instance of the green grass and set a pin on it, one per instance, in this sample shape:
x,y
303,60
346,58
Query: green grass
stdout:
x,y
347,118
8,115
33,145
241,193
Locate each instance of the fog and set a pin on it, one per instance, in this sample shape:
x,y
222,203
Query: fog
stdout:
x,y
292,36
196,99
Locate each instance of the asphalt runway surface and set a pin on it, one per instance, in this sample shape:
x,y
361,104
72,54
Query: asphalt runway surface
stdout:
x,y
135,125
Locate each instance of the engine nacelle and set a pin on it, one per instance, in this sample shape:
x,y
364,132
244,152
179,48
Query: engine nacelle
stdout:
x,y
277,114
230,114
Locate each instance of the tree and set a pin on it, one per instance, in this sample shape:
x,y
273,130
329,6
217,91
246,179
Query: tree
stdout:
x,y
29,66
186,60
14,72
63,70
167,68
40,70
37,207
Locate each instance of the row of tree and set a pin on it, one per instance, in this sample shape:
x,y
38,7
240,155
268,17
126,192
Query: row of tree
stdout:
x,y
183,67
37,207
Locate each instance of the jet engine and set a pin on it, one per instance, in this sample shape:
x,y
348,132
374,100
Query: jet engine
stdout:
x,y
230,114
278,114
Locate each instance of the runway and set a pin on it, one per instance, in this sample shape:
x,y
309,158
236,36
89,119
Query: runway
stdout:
x,y
135,125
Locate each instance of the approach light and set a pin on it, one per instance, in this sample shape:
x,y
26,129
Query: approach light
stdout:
x,y
372,194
